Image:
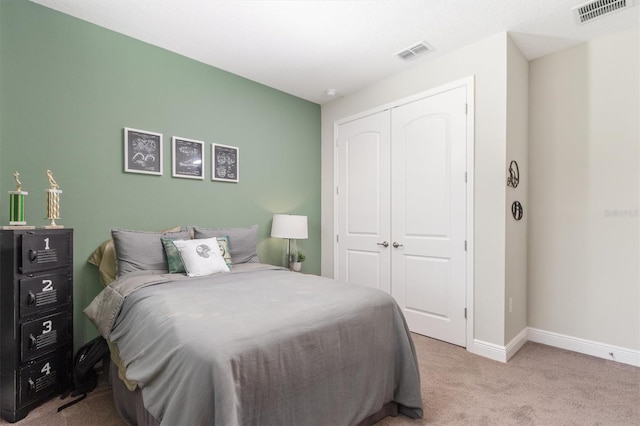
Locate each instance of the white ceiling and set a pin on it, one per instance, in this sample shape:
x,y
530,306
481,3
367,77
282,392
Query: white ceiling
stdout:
x,y
304,47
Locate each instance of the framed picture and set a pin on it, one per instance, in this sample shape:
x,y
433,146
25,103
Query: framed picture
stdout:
x,y
188,158
225,163
142,151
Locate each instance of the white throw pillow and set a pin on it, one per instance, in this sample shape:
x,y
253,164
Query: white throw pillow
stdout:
x,y
201,257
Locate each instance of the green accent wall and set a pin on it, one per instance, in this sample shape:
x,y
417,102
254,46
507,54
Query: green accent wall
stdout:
x,y
67,90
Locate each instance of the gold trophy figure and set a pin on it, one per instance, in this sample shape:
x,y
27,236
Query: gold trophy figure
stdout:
x,y
16,176
53,202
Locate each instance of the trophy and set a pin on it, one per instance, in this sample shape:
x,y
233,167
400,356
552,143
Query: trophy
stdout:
x,y
53,202
16,206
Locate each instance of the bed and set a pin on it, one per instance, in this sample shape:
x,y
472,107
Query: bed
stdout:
x,y
256,345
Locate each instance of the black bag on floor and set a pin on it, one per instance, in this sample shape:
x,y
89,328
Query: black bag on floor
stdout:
x,y
84,375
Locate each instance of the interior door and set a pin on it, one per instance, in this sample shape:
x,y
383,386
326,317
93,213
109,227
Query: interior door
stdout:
x,y
428,211
363,248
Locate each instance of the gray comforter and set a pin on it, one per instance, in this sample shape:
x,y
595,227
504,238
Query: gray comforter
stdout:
x,y
260,346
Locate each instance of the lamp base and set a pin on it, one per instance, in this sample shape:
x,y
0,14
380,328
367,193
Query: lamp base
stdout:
x,y
292,255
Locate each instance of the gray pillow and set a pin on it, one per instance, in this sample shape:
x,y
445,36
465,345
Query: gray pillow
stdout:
x,y
142,251
243,242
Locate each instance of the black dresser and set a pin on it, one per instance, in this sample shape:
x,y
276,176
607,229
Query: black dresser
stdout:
x,y
36,318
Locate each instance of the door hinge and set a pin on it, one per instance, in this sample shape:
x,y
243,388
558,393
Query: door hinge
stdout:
x,y
465,245
465,313
466,109
337,238
337,190
465,177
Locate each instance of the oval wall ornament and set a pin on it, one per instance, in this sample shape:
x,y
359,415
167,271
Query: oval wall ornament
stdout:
x,y
514,174
516,210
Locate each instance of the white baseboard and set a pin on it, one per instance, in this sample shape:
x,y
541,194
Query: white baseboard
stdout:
x,y
583,346
516,343
497,352
489,350
575,344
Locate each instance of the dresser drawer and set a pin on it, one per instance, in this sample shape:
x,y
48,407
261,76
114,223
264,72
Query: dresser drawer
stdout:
x,y
44,292
44,251
44,376
43,335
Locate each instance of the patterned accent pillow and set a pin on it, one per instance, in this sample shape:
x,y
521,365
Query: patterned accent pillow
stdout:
x,y
173,256
201,257
223,243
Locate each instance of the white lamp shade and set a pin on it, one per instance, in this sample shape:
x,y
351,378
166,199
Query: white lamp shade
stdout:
x,y
289,226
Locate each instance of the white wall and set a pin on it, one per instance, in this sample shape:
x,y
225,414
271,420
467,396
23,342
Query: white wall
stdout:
x,y
583,278
572,122
516,231
486,60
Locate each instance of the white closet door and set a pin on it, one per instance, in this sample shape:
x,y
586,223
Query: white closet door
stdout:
x,y
429,214
363,201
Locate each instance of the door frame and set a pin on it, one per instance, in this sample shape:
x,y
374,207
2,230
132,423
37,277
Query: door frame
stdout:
x,y
469,84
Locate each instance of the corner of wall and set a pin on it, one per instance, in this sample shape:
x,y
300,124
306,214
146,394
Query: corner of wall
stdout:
x,y
583,240
515,303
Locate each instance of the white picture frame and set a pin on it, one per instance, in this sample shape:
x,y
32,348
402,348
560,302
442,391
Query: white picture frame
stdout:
x,y
187,160
225,163
142,151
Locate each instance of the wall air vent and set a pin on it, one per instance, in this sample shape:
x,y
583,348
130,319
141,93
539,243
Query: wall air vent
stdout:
x,y
414,51
595,9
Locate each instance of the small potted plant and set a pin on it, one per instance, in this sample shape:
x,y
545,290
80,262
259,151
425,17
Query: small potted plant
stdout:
x,y
297,259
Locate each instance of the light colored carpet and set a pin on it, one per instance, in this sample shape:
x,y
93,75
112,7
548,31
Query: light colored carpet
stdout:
x,y
540,385
96,409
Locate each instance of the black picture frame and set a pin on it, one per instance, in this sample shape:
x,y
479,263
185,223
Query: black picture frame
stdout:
x,y
142,151
225,163
187,158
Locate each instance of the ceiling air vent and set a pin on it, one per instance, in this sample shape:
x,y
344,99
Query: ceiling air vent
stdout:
x,y
415,50
595,9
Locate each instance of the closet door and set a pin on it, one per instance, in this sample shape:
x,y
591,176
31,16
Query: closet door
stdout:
x,y
363,247
428,212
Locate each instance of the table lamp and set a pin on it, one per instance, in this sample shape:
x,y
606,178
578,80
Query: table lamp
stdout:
x,y
292,227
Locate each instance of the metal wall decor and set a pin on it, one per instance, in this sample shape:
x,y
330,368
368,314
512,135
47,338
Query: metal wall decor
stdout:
x,y
516,210
514,175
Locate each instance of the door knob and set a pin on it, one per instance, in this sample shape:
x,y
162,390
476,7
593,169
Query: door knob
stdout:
x,y
383,244
396,245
